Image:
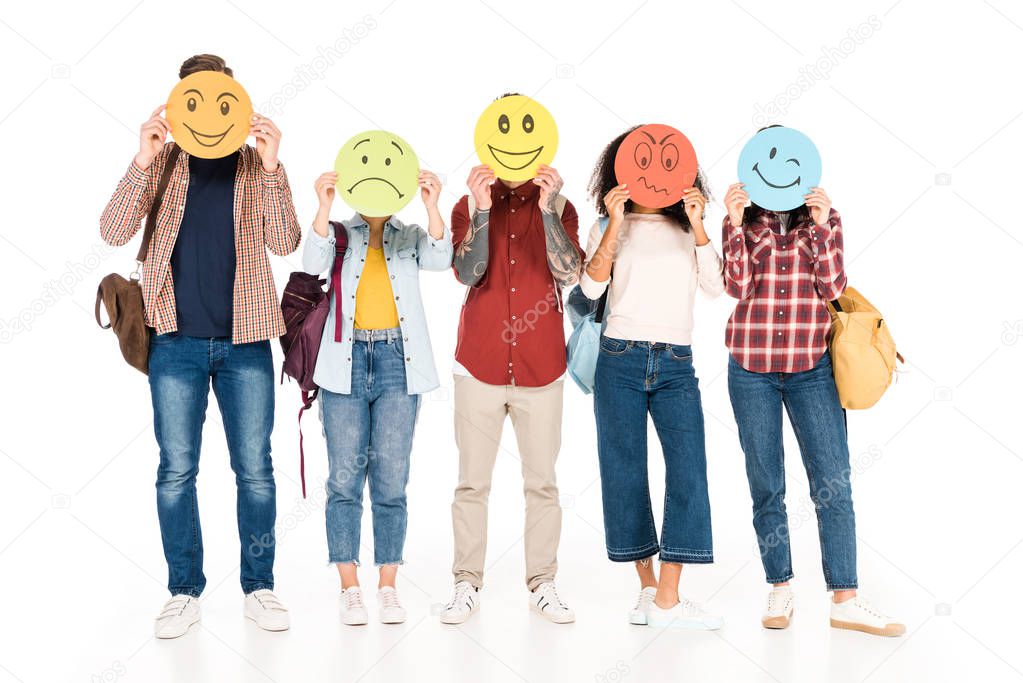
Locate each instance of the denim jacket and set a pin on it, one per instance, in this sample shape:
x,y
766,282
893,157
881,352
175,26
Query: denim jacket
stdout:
x,y
407,250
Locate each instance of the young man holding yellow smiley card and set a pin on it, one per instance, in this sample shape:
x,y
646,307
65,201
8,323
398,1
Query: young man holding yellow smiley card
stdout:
x,y
516,245
210,298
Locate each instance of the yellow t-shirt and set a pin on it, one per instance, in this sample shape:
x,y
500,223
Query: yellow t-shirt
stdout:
x,y
374,300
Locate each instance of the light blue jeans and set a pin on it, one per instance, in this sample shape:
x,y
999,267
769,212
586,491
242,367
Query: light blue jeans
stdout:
x,y
369,437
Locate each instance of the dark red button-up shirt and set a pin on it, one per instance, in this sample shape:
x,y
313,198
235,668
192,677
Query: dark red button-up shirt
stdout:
x,y
511,329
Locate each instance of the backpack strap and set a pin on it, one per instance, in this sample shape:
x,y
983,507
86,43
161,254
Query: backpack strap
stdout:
x,y
340,247
154,209
598,316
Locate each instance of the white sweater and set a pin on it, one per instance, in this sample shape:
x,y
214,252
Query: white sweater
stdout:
x,y
656,273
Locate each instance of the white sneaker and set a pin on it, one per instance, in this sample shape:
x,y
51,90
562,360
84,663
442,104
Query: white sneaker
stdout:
x,y
545,601
780,605
464,601
638,614
353,609
686,614
178,613
856,614
391,611
266,610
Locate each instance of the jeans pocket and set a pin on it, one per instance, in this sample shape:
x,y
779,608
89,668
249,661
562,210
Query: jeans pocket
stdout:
x,y
612,346
680,352
161,339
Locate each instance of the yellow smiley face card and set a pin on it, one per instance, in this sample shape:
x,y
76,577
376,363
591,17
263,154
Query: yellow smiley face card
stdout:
x,y
209,114
514,136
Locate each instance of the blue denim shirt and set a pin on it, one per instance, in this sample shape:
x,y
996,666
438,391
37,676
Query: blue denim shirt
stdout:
x,y
407,250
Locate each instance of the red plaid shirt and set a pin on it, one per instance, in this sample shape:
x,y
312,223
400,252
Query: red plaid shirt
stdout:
x,y
264,218
783,284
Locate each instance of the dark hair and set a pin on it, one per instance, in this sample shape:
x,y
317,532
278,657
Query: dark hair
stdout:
x,y
800,214
508,94
198,63
604,180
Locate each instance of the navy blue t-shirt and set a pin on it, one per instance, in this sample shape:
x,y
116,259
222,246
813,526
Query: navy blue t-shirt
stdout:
x,y
203,261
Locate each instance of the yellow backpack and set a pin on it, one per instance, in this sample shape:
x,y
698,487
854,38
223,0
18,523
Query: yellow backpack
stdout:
x,y
863,352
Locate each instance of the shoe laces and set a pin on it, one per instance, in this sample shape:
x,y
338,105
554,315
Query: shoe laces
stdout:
x,y
690,608
175,607
776,601
353,598
550,592
645,598
869,609
389,599
461,595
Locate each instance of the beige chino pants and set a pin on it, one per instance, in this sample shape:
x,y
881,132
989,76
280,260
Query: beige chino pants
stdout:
x,y
480,411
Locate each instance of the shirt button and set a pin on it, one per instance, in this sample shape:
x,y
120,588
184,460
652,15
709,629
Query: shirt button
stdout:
x,y
513,289
408,359
396,298
513,210
513,317
392,277
513,262
513,235
781,312
515,343
783,267
406,338
783,291
509,365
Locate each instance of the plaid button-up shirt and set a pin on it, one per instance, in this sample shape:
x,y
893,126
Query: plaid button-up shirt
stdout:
x,y
783,284
264,218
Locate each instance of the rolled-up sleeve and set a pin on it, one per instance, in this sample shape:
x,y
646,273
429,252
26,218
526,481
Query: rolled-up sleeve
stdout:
x,y
435,254
318,253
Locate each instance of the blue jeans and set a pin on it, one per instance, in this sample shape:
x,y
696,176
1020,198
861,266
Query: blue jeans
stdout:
x,y
369,436
632,379
817,418
181,370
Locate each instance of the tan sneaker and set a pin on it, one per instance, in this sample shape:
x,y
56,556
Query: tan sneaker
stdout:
x,y
780,605
857,614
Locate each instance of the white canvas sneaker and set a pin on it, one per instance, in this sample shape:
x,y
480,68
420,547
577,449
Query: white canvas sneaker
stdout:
x,y
780,605
464,601
545,602
638,614
264,608
353,609
686,614
391,611
178,613
856,614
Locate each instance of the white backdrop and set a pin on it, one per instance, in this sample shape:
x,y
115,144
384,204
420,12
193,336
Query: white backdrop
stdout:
x,y
912,108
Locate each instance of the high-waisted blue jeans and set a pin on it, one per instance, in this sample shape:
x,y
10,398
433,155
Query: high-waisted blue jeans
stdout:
x,y
369,437
634,379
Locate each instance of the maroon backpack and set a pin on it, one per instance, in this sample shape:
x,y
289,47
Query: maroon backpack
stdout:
x,y
305,307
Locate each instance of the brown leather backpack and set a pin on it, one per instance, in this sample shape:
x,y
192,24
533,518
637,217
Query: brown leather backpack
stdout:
x,y
122,297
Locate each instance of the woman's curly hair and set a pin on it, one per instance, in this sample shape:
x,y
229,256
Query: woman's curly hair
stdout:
x,y
603,181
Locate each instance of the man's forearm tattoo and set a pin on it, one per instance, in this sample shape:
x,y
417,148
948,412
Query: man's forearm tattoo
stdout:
x,y
474,251
562,256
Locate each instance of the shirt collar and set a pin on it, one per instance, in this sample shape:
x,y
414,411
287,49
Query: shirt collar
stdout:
x,y
527,190
358,222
